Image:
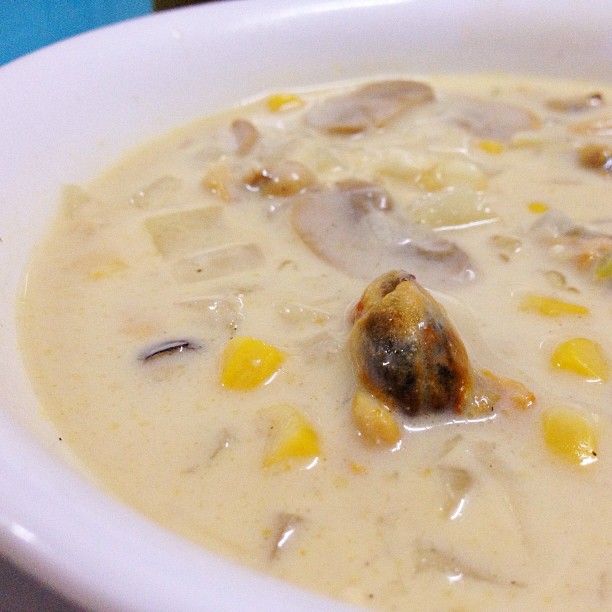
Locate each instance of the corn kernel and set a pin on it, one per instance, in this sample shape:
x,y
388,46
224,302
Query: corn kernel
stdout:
x,y
357,468
248,363
582,356
107,269
374,420
569,435
290,436
283,101
492,147
538,207
551,307
603,269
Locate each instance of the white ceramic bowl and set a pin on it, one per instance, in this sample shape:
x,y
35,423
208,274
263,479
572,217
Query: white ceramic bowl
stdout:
x,y
70,110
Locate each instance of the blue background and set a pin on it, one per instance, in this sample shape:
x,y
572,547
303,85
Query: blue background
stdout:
x,y
26,25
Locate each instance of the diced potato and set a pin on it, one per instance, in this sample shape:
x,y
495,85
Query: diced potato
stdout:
x,y
217,311
184,231
248,363
219,262
582,356
551,307
453,207
290,436
158,194
569,435
404,164
283,101
374,420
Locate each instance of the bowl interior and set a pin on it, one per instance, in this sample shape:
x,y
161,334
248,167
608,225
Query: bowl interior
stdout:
x,y
71,109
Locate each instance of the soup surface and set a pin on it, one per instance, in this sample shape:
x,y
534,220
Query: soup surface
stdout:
x,y
194,327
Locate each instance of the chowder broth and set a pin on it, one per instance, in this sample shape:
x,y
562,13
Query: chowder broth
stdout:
x,y
258,230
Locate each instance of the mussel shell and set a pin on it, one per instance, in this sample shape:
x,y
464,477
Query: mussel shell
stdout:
x,y
406,350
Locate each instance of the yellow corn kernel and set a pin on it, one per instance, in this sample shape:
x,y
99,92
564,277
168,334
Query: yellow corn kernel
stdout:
x,y
107,269
603,269
582,356
538,207
492,147
374,420
551,307
357,468
283,101
290,436
247,363
569,435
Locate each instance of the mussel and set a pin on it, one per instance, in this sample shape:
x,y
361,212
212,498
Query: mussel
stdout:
x,y
409,356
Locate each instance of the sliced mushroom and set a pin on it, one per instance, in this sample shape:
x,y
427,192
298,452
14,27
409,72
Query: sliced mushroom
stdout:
x,y
372,105
355,229
492,119
574,104
595,127
596,157
170,347
365,195
588,250
245,134
282,179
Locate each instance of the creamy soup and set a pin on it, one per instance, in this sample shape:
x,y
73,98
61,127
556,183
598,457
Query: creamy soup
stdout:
x,y
357,338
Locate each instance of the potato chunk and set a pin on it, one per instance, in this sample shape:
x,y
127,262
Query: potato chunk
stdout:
x,y
184,231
